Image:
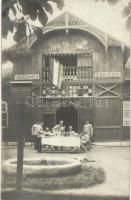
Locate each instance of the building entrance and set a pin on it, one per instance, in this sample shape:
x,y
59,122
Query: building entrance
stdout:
x,y
70,117
49,119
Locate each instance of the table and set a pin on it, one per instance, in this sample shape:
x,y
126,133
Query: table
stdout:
x,y
61,141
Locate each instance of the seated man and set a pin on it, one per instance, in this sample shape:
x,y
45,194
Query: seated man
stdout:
x,y
71,132
58,128
47,132
63,131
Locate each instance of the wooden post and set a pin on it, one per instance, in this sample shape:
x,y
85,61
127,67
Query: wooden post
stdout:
x,y
20,148
20,93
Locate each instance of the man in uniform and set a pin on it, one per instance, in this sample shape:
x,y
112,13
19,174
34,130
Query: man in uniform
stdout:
x,y
71,132
88,129
58,128
87,134
40,134
35,134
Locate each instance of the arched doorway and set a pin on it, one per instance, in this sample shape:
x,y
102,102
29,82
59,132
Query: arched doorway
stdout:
x,y
69,115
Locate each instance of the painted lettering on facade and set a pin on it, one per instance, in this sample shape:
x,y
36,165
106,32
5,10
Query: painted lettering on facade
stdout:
x,y
26,77
107,74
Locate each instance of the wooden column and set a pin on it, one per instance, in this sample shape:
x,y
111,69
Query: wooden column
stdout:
x,y
20,148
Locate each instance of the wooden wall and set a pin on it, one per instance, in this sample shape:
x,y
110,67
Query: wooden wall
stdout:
x,y
108,119
85,114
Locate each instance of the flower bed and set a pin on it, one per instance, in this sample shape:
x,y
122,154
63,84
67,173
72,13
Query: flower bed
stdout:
x,y
88,177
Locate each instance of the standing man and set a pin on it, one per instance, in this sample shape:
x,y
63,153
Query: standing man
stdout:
x,y
88,133
58,128
88,129
39,136
35,134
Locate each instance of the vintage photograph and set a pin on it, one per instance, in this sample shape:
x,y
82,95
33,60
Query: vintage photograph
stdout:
x,y
65,99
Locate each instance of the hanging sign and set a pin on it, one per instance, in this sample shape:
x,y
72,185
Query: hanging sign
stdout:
x,y
26,77
126,113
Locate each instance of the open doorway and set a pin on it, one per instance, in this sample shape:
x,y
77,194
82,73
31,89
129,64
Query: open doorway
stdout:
x,y
48,120
69,115
67,60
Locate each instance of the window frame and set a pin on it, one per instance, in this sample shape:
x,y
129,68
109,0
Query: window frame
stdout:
x,y
4,112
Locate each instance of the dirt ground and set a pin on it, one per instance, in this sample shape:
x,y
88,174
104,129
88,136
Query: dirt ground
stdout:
x,y
114,160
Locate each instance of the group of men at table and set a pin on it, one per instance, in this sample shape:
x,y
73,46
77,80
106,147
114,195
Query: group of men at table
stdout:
x,y
59,130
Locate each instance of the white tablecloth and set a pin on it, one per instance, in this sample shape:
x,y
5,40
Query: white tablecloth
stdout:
x,y
71,141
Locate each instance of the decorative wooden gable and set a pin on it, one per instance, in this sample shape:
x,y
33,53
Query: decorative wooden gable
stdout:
x,y
59,21
66,19
70,20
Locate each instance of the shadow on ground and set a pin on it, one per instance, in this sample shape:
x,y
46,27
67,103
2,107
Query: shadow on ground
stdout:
x,y
8,195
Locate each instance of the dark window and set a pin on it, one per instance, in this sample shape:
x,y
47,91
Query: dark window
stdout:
x,y
4,114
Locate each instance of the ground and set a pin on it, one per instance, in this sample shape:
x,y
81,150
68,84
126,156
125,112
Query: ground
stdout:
x,y
114,160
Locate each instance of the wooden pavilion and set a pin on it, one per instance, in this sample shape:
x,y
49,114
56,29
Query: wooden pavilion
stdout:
x,y
90,81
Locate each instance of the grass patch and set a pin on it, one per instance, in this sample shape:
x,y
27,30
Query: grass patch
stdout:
x,y
86,178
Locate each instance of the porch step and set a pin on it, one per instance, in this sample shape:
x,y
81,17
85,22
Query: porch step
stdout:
x,y
110,144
